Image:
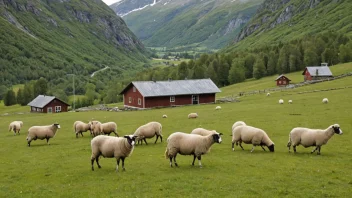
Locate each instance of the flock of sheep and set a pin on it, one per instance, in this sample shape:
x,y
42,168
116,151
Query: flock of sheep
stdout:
x,y
197,143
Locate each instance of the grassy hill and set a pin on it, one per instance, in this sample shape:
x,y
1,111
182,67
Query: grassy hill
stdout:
x,y
43,170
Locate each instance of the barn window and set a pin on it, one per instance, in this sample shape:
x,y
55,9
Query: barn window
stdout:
x,y
134,89
50,109
129,100
172,98
57,109
279,82
284,82
139,101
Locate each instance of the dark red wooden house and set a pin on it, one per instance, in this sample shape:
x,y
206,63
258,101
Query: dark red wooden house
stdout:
x,y
149,94
48,104
282,80
317,73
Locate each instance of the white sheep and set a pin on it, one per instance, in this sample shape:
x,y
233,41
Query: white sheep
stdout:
x,y
325,101
164,116
109,147
290,102
80,127
149,130
251,135
203,132
192,115
268,94
312,137
109,127
42,132
217,107
281,101
190,144
238,123
15,126
95,128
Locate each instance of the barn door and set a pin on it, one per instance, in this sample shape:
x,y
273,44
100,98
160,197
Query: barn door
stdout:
x,y
195,99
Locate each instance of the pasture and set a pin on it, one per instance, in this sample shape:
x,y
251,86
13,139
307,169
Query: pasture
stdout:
x,y
63,169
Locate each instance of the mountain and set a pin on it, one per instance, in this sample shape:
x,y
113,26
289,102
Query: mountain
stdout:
x,y
197,23
284,20
51,38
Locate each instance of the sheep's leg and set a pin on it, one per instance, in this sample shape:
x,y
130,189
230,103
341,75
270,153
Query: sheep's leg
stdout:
x,y
200,161
81,134
161,138
241,146
118,163
252,149
47,141
263,148
92,162
123,163
76,135
145,141
115,134
314,149
319,150
157,137
18,132
233,146
97,160
170,161
175,161
294,148
194,158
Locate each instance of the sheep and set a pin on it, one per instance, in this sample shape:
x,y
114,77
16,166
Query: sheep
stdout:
x,y
109,127
281,101
251,135
238,123
203,132
217,107
311,137
109,147
268,94
290,102
95,128
81,127
42,132
192,115
15,126
149,130
190,144
164,116
325,101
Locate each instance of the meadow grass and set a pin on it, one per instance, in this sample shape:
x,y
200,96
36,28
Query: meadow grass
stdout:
x,y
62,169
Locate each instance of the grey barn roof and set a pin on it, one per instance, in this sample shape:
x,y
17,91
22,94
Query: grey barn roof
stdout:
x,y
174,87
322,71
42,100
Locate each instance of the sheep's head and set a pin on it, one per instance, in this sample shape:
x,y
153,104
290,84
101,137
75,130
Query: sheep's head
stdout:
x,y
337,129
217,137
57,125
271,148
131,139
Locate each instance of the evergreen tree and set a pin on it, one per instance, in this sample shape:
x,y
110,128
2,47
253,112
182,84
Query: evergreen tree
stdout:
x,y
283,61
210,73
259,69
182,71
237,71
272,63
310,57
28,93
345,53
41,87
10,98
3,90
20,97
223,73
248,65
330,56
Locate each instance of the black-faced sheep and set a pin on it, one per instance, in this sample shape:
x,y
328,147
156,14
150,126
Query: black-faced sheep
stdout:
x,y
15,126
312,137
251,135
42,132
149,130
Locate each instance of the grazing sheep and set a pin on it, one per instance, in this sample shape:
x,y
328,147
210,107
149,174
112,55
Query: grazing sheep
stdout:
x,y
238,123
192,115
81,127
290,102
203,132
217,108
251,135
95,128
325,101
42,132
109,127
190,144
164,116
312,137
281,101
109,147
268,94
15,126
149,130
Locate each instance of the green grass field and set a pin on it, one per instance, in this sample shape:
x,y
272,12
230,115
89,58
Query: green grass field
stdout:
x,y
62,169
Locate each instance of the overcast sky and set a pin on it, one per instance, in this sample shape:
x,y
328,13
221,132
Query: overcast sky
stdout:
x,y
109,2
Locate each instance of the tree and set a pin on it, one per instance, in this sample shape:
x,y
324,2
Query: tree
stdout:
x,y
248,65
283,61
3,90
182,71
20,97
330,56
41,87
259,69
211,73
28,93
345,53
237,71
223,73
272,63
10,98
90,94
310,57
61,95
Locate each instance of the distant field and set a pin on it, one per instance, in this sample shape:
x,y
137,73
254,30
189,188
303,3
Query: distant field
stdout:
x,y
63,168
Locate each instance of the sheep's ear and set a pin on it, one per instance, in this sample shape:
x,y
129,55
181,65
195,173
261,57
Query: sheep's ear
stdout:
x,y
221,134
126,136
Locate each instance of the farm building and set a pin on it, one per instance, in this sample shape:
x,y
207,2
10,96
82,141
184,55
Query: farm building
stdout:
x,y
317,72
48,104
282,80
149,94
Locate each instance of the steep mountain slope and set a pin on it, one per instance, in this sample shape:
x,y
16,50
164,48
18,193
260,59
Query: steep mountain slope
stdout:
x,y
284,20
50,38
198,23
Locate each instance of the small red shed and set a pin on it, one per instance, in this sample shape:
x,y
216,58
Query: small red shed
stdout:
x,y
48,104
282,80
149,94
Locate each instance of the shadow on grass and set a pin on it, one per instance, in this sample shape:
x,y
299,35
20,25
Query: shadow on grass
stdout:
x,y
39,145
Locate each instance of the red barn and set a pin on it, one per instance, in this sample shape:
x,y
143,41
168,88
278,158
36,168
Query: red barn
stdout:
x,y
317,73
282,80
149,94
48,104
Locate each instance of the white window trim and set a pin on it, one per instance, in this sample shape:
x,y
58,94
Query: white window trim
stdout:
x,y
51,109
134,89
129,99
57,109
139,101
172,99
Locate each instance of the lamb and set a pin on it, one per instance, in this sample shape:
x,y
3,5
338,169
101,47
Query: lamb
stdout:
x,y
192,115
268,94
109,127
109,147
238,123
325,100
42,132
251,135
15,126
312,137
281,101
81,127
290,102
164,116
95,128
190,144
217,107
149,130
203,132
